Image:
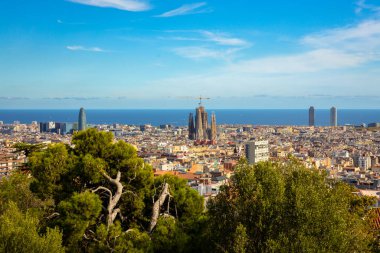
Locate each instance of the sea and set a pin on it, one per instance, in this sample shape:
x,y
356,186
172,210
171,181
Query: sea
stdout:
x,y
179,117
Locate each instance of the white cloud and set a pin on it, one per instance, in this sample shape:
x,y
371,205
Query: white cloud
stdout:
x,y
59,21
363,5
127,5
312,61
224,40
218,38
213,45
340,48
200,52
228,83
330,61
82,48
186,9
362,37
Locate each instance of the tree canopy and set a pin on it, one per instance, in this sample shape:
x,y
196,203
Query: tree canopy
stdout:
x,y
273,207
97,195
104,197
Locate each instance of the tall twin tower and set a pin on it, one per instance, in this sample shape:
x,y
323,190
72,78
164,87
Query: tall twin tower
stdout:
x,y
333,116
200,130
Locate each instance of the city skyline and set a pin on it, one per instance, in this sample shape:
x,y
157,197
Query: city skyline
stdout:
x,y
142,54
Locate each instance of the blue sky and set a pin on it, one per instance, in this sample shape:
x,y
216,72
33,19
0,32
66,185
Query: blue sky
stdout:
x,y
163,54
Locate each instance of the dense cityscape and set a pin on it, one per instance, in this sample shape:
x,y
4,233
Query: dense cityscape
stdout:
x,y
205,156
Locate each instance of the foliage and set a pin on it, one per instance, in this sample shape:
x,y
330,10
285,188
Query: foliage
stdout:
x,y
49,168
102,197
83,182
77,214
118,241
16,189
168,236
240,239
286,208
188,202
28,148
20,233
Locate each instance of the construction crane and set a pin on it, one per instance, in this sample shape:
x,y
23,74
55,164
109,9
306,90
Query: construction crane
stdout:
x,y
200,99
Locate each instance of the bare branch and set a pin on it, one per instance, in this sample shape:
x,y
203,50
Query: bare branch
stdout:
x,y
134,177
130,230
175,207
104,189
157,206
114,199
131,192
167,210
53,215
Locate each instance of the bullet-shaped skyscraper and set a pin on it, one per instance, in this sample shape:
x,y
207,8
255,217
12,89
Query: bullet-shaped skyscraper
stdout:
x,y
191,127
82,120
333,117
311,116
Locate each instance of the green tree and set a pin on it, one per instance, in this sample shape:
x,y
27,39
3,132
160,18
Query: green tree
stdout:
x,y
28,148
185,203
240,239
168,236
286,208
77,214
105,196
180,226
50,169
116,240
16,188
20,233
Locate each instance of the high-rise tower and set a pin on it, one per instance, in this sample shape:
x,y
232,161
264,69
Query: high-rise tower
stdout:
x,y
199,123
191,127
82,120
213,127
204,123
311,116
257,151
201,131
333,117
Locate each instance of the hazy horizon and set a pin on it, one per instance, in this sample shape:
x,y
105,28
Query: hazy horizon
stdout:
x,y
179,109
159,54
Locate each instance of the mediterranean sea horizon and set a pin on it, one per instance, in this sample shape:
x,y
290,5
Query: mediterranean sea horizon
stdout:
x,y
179,117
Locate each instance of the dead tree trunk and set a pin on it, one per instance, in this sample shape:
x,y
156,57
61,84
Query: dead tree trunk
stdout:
x,y
113,198
157,206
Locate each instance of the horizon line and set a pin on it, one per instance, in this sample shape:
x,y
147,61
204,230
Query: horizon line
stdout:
x,y
192,108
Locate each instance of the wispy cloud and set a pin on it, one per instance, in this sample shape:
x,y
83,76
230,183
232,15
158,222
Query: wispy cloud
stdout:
x,y
88,49
364,36
186,9
126,5
312,61
362,5
218,38
340,48
76,98
330,60
60,21
213,45
200,52
14,98
223,39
